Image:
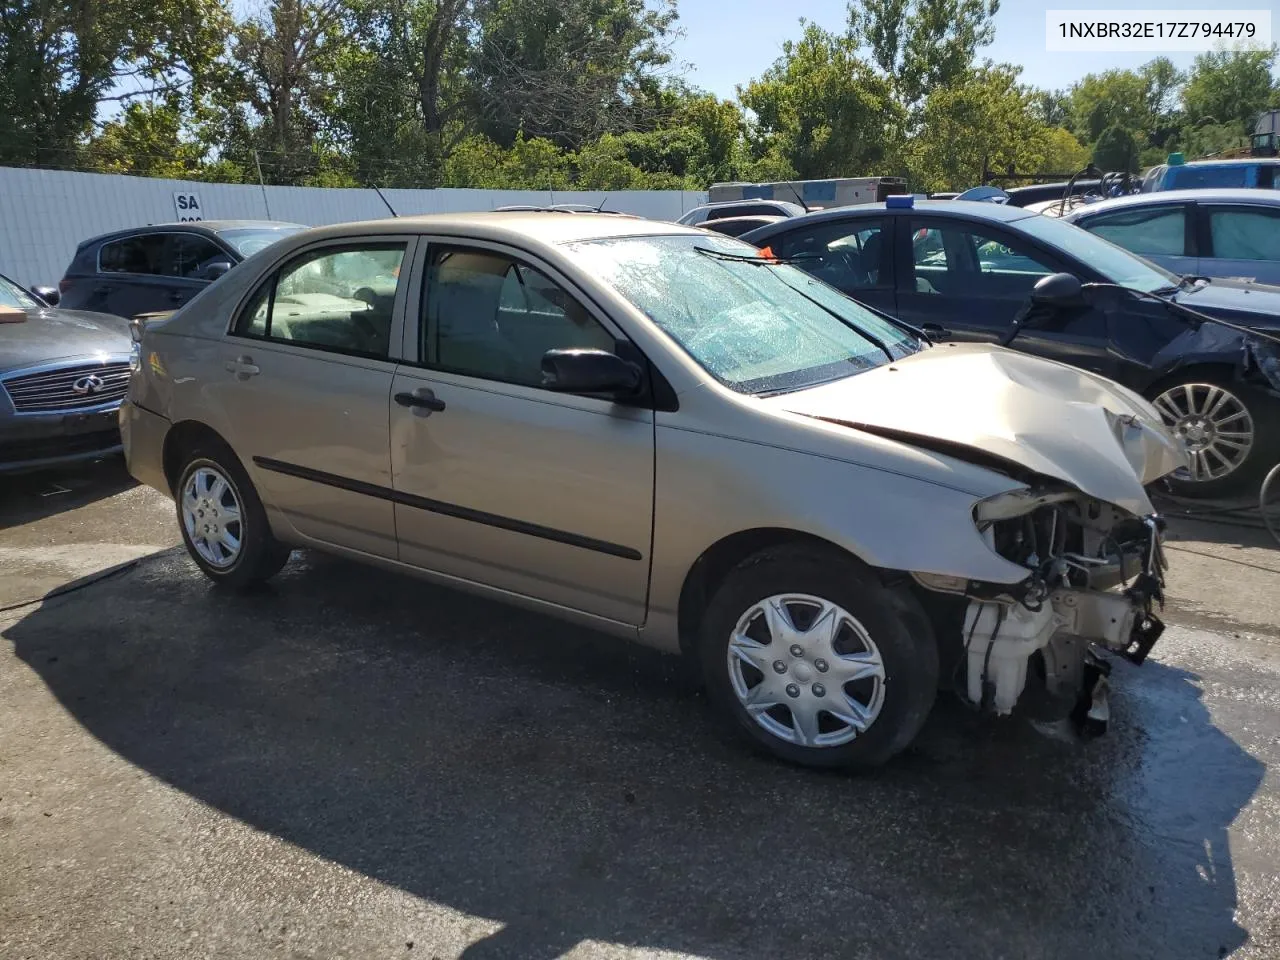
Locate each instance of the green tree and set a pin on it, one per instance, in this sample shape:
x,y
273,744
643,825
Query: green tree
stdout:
x,y
60,63
1116,149
146,140
1230,87
1060,151
403,97
921,45
569,71
1113,98
824,111
273,105
983,117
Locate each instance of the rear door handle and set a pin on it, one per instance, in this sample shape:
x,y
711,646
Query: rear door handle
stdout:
x,y
243,367
421,399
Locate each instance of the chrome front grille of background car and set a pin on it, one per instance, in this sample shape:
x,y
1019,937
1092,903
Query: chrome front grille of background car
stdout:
x,y
64,389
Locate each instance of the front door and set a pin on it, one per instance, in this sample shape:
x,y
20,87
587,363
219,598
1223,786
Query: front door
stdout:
x,y
967,281
499,481
304,380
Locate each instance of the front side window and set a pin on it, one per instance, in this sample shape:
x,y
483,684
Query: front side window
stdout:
x,y
1160,231
967,261
846,255
488,315
146,255
756,326
1245,234
337,300
190,256
1113,263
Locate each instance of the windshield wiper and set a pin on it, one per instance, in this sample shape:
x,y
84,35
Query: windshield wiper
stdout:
x,y
756,258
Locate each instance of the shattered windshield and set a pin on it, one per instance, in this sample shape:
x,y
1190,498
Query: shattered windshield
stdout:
x,y
757,327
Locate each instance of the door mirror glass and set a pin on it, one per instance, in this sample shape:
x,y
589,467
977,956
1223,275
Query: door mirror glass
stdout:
x,y
589,371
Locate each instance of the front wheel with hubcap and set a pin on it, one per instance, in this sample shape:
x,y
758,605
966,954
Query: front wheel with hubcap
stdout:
x,y
224,525
1224,430
817,660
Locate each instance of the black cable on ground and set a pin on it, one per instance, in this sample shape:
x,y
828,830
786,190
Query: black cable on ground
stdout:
x,y
74,586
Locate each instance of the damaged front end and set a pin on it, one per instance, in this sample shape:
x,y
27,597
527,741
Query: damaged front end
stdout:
x,y
1095,577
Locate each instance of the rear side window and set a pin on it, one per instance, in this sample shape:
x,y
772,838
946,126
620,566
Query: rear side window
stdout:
x,y
1245,233
1159,231
145,255
336,299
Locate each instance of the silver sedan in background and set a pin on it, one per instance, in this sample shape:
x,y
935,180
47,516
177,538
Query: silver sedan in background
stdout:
x,y
655,431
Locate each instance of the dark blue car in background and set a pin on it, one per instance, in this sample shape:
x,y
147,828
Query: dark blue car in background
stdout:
x,y
963,270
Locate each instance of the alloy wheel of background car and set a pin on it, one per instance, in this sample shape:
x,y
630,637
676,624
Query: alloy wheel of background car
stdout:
x,y
806,670
1215,425
212,516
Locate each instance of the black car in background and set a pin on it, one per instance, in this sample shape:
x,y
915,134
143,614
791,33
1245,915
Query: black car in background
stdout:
x,y
158,268
62,377
961,270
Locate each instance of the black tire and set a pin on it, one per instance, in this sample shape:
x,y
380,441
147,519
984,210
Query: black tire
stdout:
x,y
1264,411
261,555
891,617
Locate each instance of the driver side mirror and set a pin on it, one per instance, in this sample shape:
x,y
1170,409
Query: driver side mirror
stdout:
x,y
217,269
1058,290
49,295
590,371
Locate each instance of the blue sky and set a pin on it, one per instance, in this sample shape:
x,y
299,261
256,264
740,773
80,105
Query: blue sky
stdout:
x,y
728,42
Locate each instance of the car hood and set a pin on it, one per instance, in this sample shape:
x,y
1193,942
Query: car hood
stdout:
x,y
1242,301
34,336
1001,408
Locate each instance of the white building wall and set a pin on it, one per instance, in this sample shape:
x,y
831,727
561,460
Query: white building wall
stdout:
x,y
46,214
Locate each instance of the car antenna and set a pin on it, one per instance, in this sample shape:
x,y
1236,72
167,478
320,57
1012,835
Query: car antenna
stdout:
x,y
378,191
799,199
600,208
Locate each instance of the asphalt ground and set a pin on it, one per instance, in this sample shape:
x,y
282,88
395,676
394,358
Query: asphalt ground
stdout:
x,y
349,764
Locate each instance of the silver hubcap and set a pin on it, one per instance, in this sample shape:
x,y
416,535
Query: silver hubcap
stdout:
x,y
1214,425
805,670
211,514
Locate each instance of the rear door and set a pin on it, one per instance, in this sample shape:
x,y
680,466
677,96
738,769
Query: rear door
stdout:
x,y
501,482
133,275
1241,240
304,379
854,255
1163,233
967,281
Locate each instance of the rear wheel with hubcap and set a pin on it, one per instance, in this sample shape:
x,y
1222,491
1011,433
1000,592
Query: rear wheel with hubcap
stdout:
x,y
224,525
816,660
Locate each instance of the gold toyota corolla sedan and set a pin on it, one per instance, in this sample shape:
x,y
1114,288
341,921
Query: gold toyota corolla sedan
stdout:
x,y
662,434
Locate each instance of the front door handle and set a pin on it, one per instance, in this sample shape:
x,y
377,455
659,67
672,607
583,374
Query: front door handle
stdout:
x,y
177,296
423,399
243,367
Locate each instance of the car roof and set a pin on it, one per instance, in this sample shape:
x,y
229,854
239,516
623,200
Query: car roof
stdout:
x,y
1202,194
1233,162
545,226
194,226
968,209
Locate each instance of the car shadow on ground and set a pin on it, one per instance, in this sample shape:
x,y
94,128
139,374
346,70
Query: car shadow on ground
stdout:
x,y
28,497
576,788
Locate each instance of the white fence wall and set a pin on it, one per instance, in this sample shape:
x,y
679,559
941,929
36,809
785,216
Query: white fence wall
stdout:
x,y
45,214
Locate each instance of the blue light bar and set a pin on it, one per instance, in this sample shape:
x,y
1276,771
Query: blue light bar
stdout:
x,y
899,201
